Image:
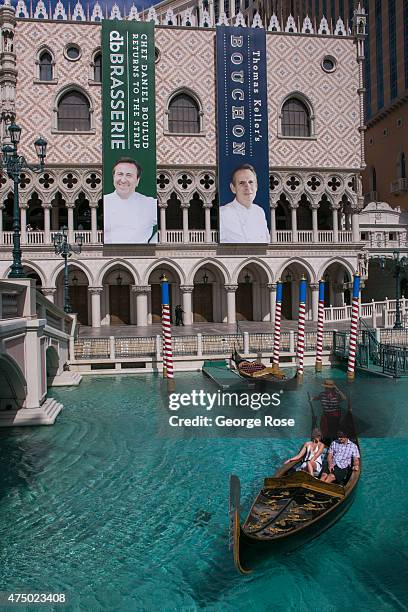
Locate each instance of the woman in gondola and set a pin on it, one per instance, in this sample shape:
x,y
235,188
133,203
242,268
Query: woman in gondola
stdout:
x,y
312,452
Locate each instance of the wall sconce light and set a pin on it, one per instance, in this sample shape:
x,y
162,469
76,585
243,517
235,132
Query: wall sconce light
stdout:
x,y
288,277
247,278
205,277
119,279
74,280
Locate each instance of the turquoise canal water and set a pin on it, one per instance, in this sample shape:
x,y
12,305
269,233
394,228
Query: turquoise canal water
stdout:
x,y
116,510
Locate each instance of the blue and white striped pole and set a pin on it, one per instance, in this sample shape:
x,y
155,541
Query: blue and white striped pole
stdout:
x,y
354,327
166,330
301,326
320,328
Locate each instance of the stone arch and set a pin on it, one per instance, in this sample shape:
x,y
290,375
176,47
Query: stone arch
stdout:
x,y
74,263
12,384
35,268
115,263
252,302
208,280
338,274
290,273
207,262
164,263
246,264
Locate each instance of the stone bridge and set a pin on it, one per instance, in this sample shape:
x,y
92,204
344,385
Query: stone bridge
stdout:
x,y
35,341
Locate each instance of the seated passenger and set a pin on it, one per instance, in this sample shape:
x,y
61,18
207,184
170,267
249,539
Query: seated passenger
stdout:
x,y
312,452
343,456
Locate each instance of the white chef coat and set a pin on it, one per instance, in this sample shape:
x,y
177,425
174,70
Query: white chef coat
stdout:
x,y
243,225
129,221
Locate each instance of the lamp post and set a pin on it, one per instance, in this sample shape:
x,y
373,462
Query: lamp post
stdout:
x,y
63,248
13,164
399,265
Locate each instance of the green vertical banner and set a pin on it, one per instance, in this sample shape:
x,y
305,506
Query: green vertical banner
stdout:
x,y
129,132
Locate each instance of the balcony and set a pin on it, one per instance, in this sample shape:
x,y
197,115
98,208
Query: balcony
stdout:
x,y
37,238
399,186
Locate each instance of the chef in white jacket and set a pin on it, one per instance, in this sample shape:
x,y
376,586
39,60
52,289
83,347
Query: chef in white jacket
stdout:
x,y
243,221
129,217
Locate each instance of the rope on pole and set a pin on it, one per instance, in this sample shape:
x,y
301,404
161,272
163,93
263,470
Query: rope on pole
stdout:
x,y
168,371
277,330
320,328
354,327
301,327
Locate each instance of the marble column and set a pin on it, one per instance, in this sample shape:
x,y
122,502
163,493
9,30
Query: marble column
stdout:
x,y
184,207
187,303
355,226
335,217
207,212
47,222
23,223
1,223
314,287
272,301
315,224
231,313
49,293
273,206
142,292
163,226
94,222
70,208
293,212
96,305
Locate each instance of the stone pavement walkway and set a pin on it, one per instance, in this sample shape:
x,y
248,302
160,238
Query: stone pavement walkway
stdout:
x,y
121,331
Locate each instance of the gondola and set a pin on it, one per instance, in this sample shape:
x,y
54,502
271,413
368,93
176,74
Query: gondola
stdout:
x,y
291,509
262,374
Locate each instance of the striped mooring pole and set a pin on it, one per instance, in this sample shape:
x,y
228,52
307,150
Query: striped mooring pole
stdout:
x,y
320,328
301,327
277,330
353,327
166,330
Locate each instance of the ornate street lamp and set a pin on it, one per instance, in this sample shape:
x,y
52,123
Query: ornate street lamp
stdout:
x,y
63,248
399,266
13,164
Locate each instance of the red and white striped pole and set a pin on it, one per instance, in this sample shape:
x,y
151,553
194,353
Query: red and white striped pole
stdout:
x,y
353,327
166,330
277,330
320,328
301,327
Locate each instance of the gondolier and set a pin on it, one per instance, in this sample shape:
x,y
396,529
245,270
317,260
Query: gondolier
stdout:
x,y
330,400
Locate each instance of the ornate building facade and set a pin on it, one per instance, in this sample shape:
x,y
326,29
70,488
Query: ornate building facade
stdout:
x,y
50,75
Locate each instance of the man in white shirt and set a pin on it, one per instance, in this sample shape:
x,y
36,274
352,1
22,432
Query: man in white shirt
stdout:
x,y
128,217
243,221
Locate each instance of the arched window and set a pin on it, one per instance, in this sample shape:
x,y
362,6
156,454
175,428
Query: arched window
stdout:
x,y
97,68
296,119
73,113
401,166
373,179
45,66
183,115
